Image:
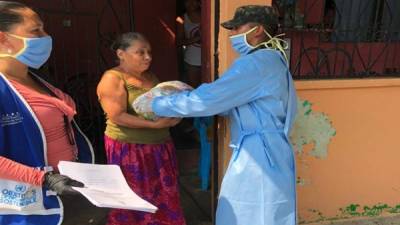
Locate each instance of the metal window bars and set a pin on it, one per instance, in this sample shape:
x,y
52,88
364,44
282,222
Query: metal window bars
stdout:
x,y
341,38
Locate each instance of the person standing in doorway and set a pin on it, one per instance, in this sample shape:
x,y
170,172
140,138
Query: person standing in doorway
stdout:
x,y
257,94
189,38
189,42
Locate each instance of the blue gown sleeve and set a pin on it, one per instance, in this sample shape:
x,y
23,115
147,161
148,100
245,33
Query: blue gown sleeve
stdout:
x,y
240,84
224,114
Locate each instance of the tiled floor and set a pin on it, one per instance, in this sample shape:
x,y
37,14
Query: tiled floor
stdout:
x,y
195,202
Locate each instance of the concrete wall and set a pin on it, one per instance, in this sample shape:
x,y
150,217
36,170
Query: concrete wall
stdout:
x,y
346,138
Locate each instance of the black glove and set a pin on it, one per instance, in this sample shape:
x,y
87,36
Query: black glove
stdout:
x,y
61,184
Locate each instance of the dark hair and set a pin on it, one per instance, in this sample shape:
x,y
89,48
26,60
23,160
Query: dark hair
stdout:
x,y
272,29
272,24
9,15
125,40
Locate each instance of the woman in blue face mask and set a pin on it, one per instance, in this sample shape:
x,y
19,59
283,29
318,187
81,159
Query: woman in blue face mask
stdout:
x,y
36,127
257,94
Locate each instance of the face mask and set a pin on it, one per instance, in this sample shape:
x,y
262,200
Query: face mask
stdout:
x,y
240,44
35,53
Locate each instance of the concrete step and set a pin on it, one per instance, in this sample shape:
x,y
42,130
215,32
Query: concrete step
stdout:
x,y
195,202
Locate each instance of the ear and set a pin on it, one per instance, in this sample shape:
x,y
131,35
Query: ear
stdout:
x,y
4,43
3,37
120,54
259,31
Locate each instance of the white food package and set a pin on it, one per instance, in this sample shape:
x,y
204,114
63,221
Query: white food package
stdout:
x,y
142,104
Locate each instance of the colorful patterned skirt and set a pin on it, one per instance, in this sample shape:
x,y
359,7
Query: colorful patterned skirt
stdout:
x,y
151,171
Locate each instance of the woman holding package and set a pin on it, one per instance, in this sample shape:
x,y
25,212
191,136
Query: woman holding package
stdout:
x,y
36,127
143,148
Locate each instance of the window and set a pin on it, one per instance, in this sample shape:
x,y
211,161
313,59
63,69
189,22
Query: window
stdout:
x,y
364,20
342,38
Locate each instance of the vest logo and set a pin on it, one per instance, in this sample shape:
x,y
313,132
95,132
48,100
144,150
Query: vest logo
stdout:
x,y
20,188
19,197
10,119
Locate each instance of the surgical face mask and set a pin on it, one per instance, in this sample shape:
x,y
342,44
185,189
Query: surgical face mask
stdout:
x,y
35,53
240,44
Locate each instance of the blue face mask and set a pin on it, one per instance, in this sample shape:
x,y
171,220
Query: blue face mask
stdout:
x,y
35,53
240,44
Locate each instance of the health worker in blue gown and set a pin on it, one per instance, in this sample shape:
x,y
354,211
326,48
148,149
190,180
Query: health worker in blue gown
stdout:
x,y
257,94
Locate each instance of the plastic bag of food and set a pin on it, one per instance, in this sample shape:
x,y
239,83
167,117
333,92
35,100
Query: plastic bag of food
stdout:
x,y
142,104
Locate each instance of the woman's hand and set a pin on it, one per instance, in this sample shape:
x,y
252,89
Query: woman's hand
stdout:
x,y
165,122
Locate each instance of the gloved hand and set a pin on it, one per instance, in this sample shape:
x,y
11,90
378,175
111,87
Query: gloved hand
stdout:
x,y
61,184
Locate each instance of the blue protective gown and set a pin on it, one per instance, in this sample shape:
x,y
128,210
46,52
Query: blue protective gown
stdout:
x,y
258,96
